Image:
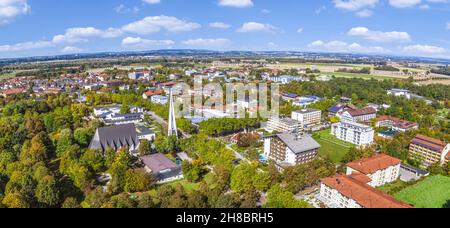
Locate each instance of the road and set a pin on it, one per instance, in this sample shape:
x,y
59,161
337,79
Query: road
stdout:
x,y
163,122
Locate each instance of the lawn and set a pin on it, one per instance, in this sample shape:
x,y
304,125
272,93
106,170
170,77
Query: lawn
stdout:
x,y
433,192
332,147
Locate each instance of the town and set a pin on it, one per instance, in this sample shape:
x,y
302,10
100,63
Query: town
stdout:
x,y
113,137
226,112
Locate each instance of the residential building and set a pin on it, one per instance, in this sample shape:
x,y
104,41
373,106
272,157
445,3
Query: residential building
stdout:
x,y
359,115
381,169
111,115
308,116
396,124
12,92
151,93
289,96
289,149
286,79
158,99
355,133
407,94
115,137
429,151
353,191
283,125
162,168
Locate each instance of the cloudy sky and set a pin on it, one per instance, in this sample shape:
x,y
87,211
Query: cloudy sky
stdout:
x,y
394,27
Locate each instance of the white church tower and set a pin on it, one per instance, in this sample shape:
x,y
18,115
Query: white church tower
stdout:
x,y
172,118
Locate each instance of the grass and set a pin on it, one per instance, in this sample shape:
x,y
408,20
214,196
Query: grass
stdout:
x,y
363,76
433,192
331,147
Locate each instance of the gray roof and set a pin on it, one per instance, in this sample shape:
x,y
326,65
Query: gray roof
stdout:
x,y
299,144
143,130
114,137
161,166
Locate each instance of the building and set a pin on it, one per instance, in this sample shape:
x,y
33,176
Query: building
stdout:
x,y
12,92
381,169
355,133
308,116
304,101
289,96
359,115
396,124
283,125
111,115
151,93
286,79
429,151
115,137
145,133
289,149
353,191
407,94
163,169
140,73
158,99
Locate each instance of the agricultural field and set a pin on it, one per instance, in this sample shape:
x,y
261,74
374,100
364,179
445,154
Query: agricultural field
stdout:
x,y
433,192
332,147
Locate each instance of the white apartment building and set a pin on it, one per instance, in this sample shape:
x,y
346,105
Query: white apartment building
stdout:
x,y
381,169
359,115
307,116
283,125
355,133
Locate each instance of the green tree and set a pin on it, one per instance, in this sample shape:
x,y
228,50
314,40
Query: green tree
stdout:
x,y
82,136
64,141
145,147
70,203
47,192
15,200
137,180
280,198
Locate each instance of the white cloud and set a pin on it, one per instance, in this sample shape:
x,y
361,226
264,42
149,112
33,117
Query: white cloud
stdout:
x,y
10,9
236,3
448,25
70,49
155,24
427,50
355,5
122,9
219,25
404,3
25,46
341,46
152,2
77,35
379,36
143,43
257,27
300,30
207,43
265,11
364,13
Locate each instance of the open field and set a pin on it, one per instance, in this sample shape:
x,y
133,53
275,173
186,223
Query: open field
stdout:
x,y
433,192
363,76
332,147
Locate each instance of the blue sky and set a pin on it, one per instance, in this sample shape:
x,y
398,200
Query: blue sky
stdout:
x,y
394,27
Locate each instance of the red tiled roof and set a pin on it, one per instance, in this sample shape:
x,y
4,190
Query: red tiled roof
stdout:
x,y
13,91
430,143
362,112
361,178
373,164
362,193
153,93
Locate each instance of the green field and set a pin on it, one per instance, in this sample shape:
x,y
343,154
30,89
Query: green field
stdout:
x,y
363,76
332,147
433,192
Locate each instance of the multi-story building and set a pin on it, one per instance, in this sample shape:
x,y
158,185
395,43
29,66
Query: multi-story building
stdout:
x,y
158,99
115,137
283,125
353,191
381,169
307,116
355,133
359,115
429,151
289,149
396,124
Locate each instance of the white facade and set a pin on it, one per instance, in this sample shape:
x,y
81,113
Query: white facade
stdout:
x,y
334,199
307,117
363,118
357,134
381,177
158,99
283,125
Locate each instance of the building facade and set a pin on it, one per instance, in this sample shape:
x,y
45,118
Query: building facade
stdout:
x,y
355,133
381,169
308,116
359,115
429,151
283,125
288,149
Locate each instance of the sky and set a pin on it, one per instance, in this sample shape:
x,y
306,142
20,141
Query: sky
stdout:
x,y
391,27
